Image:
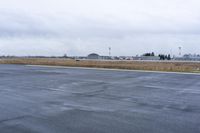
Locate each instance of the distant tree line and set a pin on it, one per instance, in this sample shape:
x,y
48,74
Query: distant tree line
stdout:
x,y
164,57
149,54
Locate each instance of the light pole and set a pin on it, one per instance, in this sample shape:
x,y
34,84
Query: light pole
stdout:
x,y
109,51
180,51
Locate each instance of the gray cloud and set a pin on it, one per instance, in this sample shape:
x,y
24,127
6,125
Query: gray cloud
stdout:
x,y
130,27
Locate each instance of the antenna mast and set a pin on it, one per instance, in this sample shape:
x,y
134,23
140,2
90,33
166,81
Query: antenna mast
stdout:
x,y
180,51
109,51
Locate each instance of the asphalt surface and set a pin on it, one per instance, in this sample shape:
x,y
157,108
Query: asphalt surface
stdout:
x,y
56,100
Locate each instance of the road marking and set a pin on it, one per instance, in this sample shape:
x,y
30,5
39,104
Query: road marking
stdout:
x,y
120,70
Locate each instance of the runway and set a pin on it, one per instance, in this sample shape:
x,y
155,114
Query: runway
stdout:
x,y
74,100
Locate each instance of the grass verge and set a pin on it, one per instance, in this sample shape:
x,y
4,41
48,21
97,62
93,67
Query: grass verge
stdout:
x,y
190,67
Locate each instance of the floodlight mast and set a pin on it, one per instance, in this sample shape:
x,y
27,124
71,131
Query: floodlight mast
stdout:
x,y
180,51
109,51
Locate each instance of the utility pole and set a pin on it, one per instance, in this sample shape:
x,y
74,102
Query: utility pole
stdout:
x,y
109,51
180,51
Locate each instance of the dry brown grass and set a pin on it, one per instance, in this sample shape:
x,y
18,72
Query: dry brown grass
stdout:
x,y
133,65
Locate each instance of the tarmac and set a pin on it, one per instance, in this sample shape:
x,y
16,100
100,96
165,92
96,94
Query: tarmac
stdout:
x,y
36,99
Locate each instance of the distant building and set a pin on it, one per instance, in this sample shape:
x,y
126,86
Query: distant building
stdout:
x,y
149,58
189,57
93,56
105,57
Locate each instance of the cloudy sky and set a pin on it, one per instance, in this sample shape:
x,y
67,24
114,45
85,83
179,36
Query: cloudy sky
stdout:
x,y
80,27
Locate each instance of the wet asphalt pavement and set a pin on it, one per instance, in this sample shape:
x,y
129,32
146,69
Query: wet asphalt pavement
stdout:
x,y
56,100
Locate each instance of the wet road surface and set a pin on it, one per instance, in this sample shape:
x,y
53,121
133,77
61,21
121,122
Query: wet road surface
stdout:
x,y
56,100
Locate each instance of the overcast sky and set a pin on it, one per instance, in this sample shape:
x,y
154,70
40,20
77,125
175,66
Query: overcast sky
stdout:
x,y
80,27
